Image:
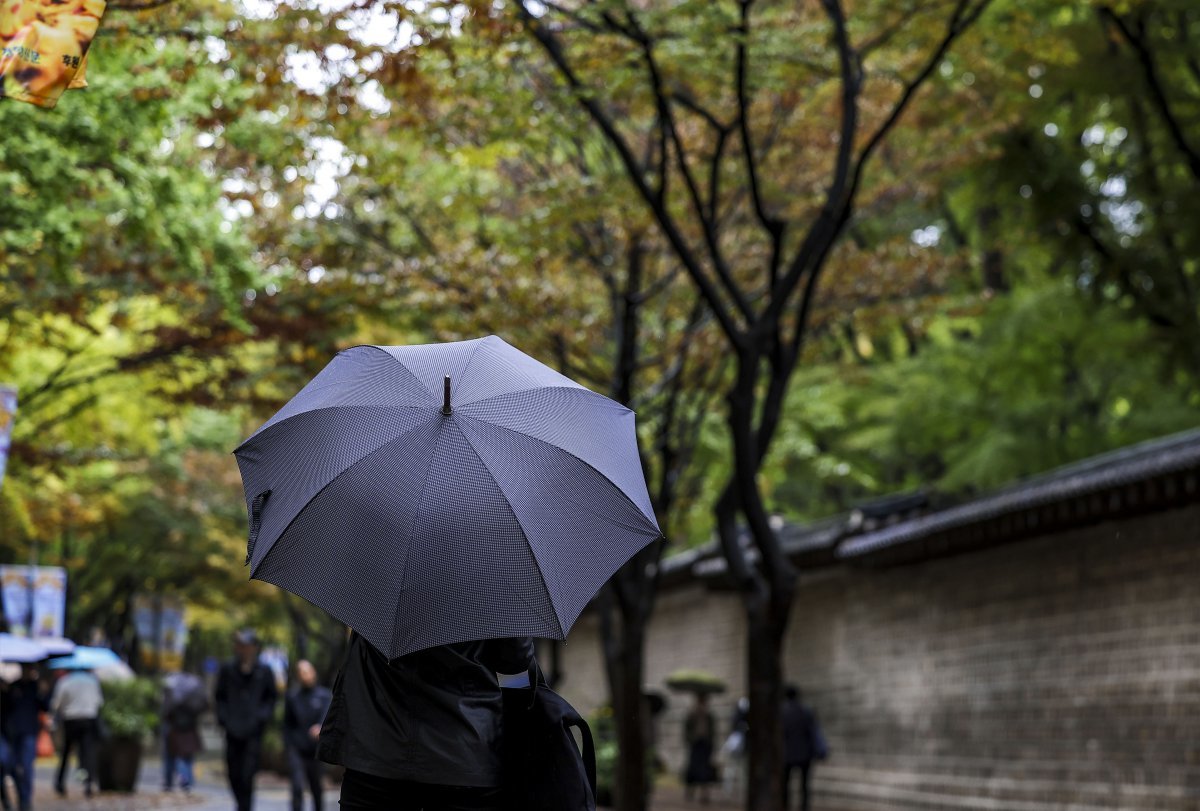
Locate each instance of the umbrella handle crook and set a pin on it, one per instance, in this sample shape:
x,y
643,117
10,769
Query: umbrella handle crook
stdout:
x,y
446,396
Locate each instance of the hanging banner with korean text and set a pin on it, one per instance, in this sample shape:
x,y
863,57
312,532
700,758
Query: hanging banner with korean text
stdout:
x,y
35,599
8,410
161,626
49,600
44,45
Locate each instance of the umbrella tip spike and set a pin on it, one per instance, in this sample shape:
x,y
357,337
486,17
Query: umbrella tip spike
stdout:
x,y
446,396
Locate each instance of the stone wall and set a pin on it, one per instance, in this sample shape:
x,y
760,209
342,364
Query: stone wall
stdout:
x,y
1061,672
691,628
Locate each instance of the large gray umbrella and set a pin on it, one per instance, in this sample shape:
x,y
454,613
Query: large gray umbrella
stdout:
x,y
426,495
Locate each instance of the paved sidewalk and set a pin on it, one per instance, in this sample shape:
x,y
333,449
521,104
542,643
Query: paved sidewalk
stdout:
x,y
271,793
210,794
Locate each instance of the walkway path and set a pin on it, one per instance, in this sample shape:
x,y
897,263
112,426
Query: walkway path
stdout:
x,y
271,793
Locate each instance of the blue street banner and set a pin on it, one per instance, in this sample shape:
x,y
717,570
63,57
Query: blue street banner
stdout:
x,y
34,599
8,409
161,627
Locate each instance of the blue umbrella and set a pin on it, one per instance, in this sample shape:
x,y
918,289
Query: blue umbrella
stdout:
x,y
426,495
21,650
85,658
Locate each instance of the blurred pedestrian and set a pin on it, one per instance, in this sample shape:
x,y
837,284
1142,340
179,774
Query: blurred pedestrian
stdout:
x,y
735,748
803,743
304,712
699,732
75,705
245,703
421,731
20,705
184,702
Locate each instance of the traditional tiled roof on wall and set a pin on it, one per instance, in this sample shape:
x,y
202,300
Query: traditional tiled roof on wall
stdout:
x,y
1154,474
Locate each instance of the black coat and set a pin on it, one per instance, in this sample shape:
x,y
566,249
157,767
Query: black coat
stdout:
x,y
431,717
799,734
20,703
303,708
245,701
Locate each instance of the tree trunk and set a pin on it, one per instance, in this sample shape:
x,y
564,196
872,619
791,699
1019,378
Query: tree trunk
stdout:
x,y
767,592
629,712
625,605
993,256
764,663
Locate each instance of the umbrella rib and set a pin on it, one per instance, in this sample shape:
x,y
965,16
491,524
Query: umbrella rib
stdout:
x,y
254,567
409,533
607,401
271,428
503,495
437,395
471,358
408,371
581,461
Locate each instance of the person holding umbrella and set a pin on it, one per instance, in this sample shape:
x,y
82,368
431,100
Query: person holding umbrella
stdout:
x,y
76,703
447,502
184,700
699,729
699,732
421,731
245,700
20,704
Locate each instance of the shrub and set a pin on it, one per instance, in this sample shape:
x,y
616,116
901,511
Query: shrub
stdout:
x,y
131,708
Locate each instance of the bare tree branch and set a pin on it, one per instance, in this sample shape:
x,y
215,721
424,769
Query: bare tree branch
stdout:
x,y
1137,40
712,296
772,225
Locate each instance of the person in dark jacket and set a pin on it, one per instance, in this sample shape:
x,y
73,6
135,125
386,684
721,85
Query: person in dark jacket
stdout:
x,y
304,711
802,744
20,704
245,702
699,733
422,732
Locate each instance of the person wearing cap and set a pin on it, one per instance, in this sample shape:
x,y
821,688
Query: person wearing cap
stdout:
x,y
245,702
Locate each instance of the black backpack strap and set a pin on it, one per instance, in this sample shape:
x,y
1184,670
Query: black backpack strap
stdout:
x,y
589,749
536,679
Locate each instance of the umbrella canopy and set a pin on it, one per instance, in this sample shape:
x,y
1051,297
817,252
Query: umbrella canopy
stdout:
x,y
185,690
86,658
695,681
21,650
114,671
426,495
56,645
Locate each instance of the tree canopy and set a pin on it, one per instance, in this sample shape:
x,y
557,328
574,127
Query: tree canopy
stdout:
x,y
247,187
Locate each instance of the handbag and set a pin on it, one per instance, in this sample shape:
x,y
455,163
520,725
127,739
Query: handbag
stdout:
x,y
543,767
45,743
820,746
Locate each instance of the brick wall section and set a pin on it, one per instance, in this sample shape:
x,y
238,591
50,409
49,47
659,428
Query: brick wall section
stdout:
x,y
1061,672
691,628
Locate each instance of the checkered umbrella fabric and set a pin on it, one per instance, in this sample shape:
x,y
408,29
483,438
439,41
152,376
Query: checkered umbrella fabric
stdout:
x,y
426,495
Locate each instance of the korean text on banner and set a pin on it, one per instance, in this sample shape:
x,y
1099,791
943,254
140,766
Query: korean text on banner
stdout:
x,y
16,591
35,599
43,45
49,601
8,410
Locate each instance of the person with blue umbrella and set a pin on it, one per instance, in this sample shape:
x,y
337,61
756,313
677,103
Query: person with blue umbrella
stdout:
x,y
76,703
